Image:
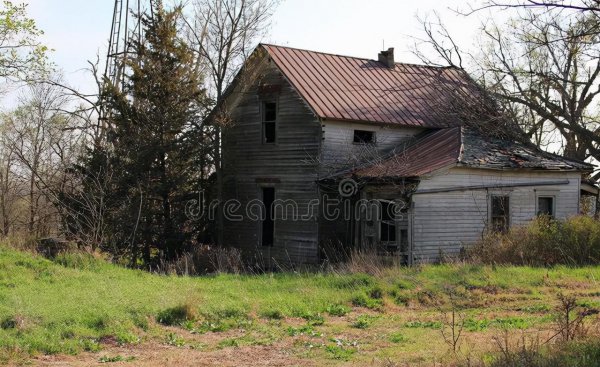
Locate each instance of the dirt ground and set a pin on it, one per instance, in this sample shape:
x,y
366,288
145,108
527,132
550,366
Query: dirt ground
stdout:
x,y
156,354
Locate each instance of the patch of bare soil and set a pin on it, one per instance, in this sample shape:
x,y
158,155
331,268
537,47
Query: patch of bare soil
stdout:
x,y
156,354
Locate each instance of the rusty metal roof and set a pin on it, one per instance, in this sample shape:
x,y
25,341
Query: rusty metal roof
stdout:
x,y
355,89
429,152
466,147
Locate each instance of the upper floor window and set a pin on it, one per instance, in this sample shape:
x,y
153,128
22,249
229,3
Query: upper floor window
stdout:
x,y
364,136
545,206
269,120
499,213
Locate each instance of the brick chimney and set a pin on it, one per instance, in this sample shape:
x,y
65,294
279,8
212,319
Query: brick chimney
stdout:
x,y
387,58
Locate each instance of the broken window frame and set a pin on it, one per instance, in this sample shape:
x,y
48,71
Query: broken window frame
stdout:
x,y
356,139
552,199
499,220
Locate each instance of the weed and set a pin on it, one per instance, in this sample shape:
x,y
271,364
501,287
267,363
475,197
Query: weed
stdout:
x,y
341,350
225,343
314,319
362,300
114,359
178,314
337,310
362,322
175,340
272,314
423,325
303,330
397,338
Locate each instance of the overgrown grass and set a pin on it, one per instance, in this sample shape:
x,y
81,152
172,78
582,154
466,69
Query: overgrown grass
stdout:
x,y
77,303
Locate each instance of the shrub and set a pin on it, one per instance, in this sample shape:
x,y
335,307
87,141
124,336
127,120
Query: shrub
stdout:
x,y
272,314
78,260
362,322
337,310
177,315
362,300
543,242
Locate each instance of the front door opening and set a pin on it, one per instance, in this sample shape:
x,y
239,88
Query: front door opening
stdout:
x,y
268,224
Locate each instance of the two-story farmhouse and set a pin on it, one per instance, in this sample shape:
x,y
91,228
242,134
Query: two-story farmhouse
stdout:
x,y
327,151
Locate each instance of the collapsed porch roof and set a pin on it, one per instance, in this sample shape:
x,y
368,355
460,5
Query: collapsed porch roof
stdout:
x,y
464,147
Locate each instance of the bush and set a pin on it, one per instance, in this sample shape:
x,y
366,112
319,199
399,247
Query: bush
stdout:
x,y
177,315
337,310
543,242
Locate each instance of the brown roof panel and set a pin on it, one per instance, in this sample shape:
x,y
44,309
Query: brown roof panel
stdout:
x,y
356,89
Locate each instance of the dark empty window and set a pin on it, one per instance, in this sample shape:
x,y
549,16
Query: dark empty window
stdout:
x,y
363,136
269,121
268,224
546,205
388,222
500,213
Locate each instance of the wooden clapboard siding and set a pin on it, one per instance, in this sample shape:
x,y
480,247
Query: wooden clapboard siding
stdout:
x,y
339,151
290,166
448,221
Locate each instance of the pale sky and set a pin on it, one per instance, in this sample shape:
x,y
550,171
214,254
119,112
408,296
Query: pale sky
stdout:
x,y
78,30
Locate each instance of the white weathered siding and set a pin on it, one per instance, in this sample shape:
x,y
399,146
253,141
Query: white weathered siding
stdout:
x,y
339,151
447,221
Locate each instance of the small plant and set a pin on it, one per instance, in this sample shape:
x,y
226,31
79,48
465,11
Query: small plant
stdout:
x,y
362,322
114,359
452,320
376,292
397,338
570,318
177,315
225,343
125,337
341,350
362,300
175,340
90,345
303,330
314,319
337,310
423,325
272,314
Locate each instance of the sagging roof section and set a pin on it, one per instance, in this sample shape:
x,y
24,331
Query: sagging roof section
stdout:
x,y
466,147
355,89
432,151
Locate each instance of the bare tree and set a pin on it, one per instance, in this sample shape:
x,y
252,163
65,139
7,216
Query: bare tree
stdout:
x,y
41,143
543,68
582,5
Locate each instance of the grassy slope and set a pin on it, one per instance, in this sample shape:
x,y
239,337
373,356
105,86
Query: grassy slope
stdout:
x,y
76,304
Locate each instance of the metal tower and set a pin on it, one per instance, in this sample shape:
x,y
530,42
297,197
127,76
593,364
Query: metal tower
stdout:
x,y
123,29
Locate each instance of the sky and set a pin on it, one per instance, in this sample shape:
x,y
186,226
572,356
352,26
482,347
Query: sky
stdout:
x,y
78,30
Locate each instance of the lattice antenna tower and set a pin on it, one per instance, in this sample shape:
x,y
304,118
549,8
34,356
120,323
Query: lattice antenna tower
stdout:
x,y
124,28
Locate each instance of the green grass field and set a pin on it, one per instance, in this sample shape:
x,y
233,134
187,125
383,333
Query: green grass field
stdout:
x,y
77,305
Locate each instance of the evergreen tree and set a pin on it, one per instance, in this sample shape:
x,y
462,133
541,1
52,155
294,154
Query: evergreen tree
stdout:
x,y
153,143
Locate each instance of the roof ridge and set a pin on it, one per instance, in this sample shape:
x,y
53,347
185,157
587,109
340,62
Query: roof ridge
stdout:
x,y
358,57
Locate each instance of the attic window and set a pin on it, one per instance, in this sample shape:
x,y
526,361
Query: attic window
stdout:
x,y
269,117
364,137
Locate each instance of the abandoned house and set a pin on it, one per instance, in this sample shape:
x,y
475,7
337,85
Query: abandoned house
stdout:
x,y
325,150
